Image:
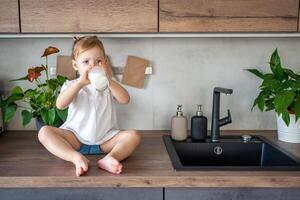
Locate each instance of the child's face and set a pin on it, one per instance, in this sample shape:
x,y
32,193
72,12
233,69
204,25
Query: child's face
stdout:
x,y
90,58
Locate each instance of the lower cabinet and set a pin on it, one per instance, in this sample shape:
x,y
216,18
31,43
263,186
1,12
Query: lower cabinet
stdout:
x,y
150,193
232,193
81,193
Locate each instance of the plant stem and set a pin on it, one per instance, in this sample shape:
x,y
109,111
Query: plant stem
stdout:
x,y
47,68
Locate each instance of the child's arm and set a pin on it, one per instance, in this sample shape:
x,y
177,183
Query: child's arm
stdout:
x,y
118,92
66,97
116,89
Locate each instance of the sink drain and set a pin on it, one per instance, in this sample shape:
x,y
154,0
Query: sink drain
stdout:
x,y
218,150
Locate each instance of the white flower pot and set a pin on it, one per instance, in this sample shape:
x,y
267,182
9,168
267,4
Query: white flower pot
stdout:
x,y
289,133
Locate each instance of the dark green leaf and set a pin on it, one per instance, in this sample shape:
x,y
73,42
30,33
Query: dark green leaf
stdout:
x,y
10,111
48,116
61,79
256,72
275,65
292,74
270,83
286,117
62,114
53,84
297,108
269,104
14,97
20,79
260,102
26,117
283,100
3,103
30,93
254,104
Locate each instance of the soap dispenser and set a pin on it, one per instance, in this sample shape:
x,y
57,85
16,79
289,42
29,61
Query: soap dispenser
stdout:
x,y
199,125
179,125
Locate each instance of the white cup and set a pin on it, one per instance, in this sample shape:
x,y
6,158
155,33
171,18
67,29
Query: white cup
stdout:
x,y
98,78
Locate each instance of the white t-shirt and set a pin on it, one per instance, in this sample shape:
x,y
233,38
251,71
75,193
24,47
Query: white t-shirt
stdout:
x,y
91,115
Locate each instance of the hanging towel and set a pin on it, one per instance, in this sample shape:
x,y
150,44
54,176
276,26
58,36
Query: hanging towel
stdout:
x,y
134,71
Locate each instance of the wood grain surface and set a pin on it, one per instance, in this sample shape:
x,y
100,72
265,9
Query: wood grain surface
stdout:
x,y
24,162
9,16
88,16
228,16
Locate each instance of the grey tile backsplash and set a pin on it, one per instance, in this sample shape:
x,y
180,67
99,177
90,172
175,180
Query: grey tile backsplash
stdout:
x,y
185,72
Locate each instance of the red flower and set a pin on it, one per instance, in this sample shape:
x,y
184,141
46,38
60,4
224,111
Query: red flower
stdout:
x,y
50,50
34,73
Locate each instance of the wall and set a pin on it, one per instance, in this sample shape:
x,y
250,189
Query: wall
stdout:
x,y
185,72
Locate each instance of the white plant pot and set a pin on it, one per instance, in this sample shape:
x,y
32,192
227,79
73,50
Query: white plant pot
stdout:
x,y
289,133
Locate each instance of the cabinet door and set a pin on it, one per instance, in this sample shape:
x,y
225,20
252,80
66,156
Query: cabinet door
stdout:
x,y
88,16
299,20
9,16
82,193
228,15
232,193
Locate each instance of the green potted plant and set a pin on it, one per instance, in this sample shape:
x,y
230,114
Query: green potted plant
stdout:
x,y
280,91
40,100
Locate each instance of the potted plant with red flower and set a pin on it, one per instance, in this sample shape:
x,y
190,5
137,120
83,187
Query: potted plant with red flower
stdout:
x,y
40,100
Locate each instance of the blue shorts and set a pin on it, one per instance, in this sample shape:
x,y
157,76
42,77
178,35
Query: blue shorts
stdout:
x,y
90,149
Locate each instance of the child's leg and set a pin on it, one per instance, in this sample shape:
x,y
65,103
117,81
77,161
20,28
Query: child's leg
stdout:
x,y
63,143
118,148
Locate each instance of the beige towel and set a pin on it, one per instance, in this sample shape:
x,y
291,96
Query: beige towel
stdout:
x,y
134,71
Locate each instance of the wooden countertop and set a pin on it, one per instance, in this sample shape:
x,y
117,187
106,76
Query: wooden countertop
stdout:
x,y
24,162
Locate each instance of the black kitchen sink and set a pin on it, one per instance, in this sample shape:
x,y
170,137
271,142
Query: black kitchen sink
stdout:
x,y
230,153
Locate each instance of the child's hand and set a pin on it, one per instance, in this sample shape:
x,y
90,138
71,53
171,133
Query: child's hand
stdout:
x,y
104,67
83,79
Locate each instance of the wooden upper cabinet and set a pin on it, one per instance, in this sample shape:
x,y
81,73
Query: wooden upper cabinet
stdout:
x,y
228,15
9,16
89,16
299,20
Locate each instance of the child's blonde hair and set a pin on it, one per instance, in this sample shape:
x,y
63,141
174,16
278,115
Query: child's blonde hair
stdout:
x,y
85,43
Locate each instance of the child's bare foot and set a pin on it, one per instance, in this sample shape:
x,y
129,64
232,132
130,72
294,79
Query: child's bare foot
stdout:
x,y
110,164
81,163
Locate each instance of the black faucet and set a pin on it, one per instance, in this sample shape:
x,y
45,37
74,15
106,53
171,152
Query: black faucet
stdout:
x,y
216,123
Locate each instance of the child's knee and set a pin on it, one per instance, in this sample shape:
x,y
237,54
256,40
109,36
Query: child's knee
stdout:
x,y
135,136
42,135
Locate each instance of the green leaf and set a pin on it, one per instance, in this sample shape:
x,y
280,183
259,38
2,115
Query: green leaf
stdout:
x,y
261,102
270,83
30,93
297,108
254,104
256,72
26,117
41,98
275,65
61,79
53,84
20,79
48,116
269,104
292,74
283,100
62,114
17,90
14,97
3,103
286,117
10,111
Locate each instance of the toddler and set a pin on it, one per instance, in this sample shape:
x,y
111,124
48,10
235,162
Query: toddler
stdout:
x,y
91,126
